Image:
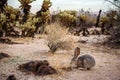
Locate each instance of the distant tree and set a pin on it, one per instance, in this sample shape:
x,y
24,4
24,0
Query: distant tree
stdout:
x,y
98,19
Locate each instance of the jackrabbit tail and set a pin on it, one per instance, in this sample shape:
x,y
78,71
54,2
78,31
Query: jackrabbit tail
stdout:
x,y
85,61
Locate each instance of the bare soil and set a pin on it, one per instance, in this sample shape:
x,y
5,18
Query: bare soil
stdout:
x,y
107,60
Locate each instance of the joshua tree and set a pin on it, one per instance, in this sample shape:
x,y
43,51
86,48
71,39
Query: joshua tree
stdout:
x,y
43,14
25,6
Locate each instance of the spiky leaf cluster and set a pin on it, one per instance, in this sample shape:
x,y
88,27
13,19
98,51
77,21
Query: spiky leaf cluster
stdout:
x,y
44,13
29,27
2,19
12,13
25,6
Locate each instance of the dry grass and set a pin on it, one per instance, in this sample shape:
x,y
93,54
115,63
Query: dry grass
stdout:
x,y
56,37
59,61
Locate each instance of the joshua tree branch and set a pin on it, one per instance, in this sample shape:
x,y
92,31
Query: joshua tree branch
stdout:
x,y
113,3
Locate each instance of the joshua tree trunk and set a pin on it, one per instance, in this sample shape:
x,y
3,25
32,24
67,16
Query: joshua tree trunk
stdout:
x,y
98,19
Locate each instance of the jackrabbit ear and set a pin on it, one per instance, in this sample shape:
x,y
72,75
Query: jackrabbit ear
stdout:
x,y
76,52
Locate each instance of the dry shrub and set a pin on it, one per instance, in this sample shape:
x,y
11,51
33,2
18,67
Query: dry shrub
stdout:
x,y
56,37
66,43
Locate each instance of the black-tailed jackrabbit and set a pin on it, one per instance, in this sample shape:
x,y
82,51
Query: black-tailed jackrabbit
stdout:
x,y
85,61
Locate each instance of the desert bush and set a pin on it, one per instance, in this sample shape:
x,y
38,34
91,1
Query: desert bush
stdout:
x,y
114,17
114,39
8,20
28,28
56,37
2,20
67,18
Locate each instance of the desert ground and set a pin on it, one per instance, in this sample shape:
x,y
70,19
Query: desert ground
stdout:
x,y
107,60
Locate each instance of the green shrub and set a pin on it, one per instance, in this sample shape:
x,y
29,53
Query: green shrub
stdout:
x,y
67,18
28,28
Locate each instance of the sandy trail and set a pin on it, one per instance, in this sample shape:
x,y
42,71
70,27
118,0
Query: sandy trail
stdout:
x,y
107,62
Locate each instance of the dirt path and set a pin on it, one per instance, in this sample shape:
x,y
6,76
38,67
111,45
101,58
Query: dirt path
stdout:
x,y
107,62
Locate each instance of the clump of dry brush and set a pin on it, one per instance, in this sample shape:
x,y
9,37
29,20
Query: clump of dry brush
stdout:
x,y
57,37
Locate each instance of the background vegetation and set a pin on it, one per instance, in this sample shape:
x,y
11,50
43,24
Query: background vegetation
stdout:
x,y
22,23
